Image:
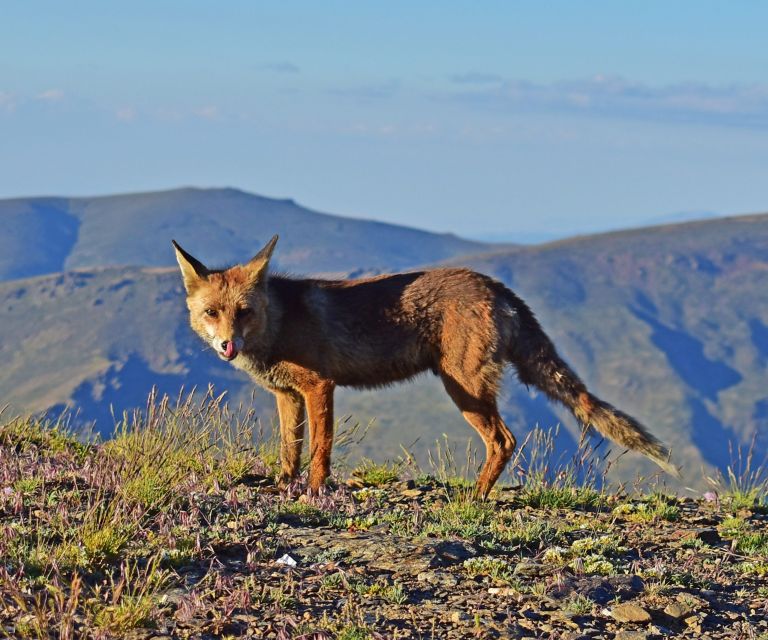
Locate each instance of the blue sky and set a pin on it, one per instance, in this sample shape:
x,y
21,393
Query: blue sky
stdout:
x,y
493,119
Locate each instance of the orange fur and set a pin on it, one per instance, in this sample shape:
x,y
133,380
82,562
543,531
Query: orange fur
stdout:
x,y
301,338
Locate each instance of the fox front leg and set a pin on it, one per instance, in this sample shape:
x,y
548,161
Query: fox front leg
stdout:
x,y
290,409
319,399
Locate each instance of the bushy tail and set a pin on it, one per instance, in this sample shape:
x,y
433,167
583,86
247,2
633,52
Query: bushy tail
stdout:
x,y
623,429
538,364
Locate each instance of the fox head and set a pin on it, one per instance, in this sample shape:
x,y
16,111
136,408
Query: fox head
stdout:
x,y
227,307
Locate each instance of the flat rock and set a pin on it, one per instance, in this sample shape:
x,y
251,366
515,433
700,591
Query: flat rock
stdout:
x,y
677,610
599,589
707,535
631,635
532,569
449,552
438,579
629,612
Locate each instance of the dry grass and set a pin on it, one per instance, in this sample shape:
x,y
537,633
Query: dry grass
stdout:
x,y
95,536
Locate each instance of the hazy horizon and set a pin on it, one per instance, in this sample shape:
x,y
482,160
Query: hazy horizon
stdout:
x,y
514,119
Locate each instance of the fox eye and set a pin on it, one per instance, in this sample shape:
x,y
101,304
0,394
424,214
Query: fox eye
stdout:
x,y
211,313
243,313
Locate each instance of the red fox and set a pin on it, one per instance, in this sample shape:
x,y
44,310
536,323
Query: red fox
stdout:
x,y
301,338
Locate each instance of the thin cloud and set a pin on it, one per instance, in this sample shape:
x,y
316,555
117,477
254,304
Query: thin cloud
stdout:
x,y
740,105
51,95
390,129
7,101
369,92
209,112
126,114
282,67
476,77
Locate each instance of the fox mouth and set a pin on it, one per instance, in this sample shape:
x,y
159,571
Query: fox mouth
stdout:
x,y
227,351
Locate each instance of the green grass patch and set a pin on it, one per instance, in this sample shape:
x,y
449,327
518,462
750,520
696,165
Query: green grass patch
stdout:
x,y
752,544
373,474
654,507
498,569
50,437
462,518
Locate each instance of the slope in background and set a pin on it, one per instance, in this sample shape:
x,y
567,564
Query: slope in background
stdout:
x,y
669,323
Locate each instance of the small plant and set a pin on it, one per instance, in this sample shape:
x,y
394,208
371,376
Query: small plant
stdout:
x,y
372,474
395,594
131,599
308,513
602,545
456,479
464,518
353,632
752,544
733,525
578,604
577,484
594,563
555,555
657,587
27,486
656,507
758,569
332,581
49,436
498,569
356,523
515,529
745,482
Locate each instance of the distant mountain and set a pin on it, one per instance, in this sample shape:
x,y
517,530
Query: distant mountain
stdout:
x,y
669,323
221,226
680,216
521,237
552,235
99,337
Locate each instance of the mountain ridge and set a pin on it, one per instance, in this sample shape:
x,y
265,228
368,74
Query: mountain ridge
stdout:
x,y
669,324
54,234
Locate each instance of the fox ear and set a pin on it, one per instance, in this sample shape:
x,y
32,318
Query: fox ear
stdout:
x,y
257,267
192,271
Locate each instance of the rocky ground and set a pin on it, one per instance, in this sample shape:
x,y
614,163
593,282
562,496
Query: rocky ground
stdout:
x,y
407,562
104,541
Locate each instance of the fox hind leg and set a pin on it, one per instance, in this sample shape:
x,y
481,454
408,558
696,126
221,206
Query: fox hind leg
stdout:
x,y
477,402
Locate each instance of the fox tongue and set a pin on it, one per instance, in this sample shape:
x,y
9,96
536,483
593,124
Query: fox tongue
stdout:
x,y
229,350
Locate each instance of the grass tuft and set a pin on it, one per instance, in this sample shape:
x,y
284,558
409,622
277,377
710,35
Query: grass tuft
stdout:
x,y
373,474
576,484
745,482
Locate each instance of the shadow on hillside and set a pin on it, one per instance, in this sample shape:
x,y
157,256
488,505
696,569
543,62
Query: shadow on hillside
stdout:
x,y
685,355
127,384
36,239
705,377
710,436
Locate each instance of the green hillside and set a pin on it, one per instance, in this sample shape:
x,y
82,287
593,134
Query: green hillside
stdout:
x,y
668,323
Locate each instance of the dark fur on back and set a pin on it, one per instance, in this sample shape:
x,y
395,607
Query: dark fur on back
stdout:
x,y
301,338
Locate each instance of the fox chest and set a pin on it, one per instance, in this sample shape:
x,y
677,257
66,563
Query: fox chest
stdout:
x,y
271,377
